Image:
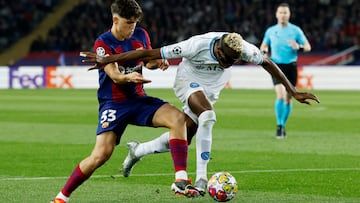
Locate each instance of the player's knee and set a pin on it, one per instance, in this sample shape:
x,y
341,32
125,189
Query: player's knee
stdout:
x,y
176,123
207,117
179,118
100,158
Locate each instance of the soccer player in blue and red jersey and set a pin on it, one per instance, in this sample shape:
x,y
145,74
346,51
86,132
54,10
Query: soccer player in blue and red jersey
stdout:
x,y
123,101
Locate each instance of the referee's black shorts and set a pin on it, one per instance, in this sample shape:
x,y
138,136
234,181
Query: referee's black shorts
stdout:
x,y
290,71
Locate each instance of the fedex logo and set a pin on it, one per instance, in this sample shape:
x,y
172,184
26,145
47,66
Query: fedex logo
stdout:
x,y
38,77
55,78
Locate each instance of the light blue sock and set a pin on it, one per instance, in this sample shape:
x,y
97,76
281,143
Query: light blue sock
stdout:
x,y
279,111
286,112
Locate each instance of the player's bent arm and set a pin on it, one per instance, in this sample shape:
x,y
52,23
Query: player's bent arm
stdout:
x,y
264,48
153,64
113,72
275,71
307,47
134,55
120,78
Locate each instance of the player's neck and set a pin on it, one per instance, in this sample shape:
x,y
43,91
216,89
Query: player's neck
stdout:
x,y
117,35
283,24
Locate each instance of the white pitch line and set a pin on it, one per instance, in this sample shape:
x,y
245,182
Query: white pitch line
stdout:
x,y
171,174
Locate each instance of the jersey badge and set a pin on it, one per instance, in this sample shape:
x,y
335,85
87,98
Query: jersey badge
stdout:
x,y
105,124
194,85
100,51
205,155
177,50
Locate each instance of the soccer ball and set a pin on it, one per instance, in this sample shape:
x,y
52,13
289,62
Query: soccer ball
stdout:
x,y
222,186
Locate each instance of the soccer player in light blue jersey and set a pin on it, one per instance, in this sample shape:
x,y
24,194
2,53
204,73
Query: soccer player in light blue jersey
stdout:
x,y
282,42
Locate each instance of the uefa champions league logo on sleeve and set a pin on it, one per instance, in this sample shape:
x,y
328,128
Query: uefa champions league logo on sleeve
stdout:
x,y
177,50
100,51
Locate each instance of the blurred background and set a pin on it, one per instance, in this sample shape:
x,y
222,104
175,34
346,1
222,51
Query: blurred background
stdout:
x,y
52,32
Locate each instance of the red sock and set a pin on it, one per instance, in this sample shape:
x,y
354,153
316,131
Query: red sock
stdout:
x,y
75,180
179,153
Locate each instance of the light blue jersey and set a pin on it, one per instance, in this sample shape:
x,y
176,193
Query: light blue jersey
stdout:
x,y
277,38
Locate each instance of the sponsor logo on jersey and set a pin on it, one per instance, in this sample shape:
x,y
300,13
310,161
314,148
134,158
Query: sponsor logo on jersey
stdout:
x,y
215,68
128,70
194,85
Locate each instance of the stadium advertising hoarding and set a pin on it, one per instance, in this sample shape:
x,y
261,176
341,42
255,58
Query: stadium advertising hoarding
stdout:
x,y
4,77
33,77
248,77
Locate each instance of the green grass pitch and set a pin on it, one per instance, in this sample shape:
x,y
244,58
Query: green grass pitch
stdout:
x,y
45,133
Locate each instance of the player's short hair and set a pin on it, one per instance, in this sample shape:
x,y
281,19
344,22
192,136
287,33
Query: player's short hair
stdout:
x,y
283,5
234,41
127,9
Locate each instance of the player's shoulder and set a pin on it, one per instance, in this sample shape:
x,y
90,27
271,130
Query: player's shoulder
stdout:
x,y
204,41
211,35
139,31
206,38
272,27
140,34
103,40
105,35
294,27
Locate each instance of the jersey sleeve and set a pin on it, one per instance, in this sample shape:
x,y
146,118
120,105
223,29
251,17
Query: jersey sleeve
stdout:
x,y
301,38
147,39
186,49
101,48
266,38
250,53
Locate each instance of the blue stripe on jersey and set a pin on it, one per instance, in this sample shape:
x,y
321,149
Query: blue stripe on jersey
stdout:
x,y
212,43
107,89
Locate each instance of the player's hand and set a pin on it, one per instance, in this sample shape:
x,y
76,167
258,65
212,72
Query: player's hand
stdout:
x,y
294,44
93,58
303,96
163,64
136,77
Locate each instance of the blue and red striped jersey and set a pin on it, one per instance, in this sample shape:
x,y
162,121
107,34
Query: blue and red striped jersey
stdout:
x,y
107,43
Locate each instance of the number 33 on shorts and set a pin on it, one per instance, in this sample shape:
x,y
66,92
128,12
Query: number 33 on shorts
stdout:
x,y
107,116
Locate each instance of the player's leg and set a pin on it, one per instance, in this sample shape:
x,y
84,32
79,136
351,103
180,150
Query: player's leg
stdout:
x,y
287,111
279,107
157,145
200,105
169,116
137,150
102,151
291,74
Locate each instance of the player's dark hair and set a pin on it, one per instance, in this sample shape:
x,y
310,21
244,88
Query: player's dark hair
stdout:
x,y
283,5
127,9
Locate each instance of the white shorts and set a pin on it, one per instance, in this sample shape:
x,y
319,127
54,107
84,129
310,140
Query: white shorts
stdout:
x,y
184,86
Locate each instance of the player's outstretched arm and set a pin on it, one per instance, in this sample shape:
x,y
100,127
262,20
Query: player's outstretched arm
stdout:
x,y
138,55
274,70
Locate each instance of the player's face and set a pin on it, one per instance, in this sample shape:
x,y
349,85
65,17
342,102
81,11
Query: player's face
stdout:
x,y
125,27
224,54
283,15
